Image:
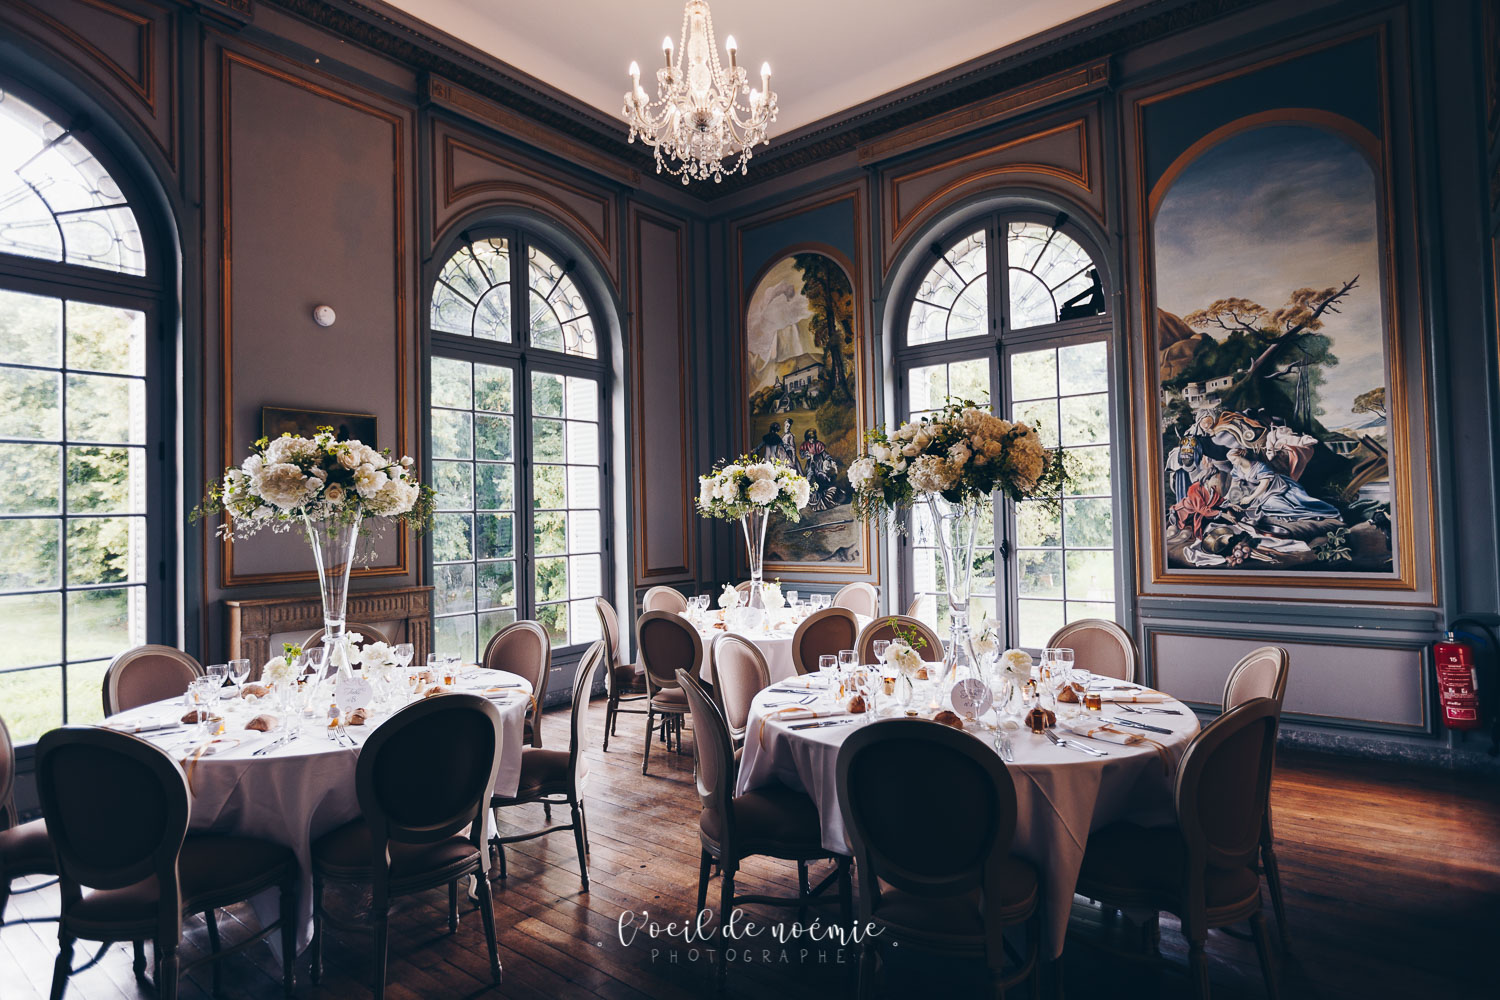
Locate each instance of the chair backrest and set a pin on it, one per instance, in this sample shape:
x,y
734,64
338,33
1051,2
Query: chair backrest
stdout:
x,y
666,643
428,772
740,673
935,766
664,599
914,609
8,815
1223,786
609,631
861,598
116,810
1099,646
145,674
714,753
885,628
367,633
820,633
1261,674
523,648
583,687
744,590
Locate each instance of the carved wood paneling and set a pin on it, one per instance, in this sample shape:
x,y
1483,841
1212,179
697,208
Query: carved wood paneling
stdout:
x,y
470,173
252,623
1062,156
662,364
129,46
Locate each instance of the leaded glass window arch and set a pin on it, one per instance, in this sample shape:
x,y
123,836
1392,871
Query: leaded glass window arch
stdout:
x,y
1033,345
85,498
519,425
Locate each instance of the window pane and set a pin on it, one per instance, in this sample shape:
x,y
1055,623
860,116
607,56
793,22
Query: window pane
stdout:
x,y
106,408
452,434
1085,419
455,637
85,682
1091,576
546,394
952,299
1084,367
31,554
453,588
1048,270
452,537
30,326
559,316
492,437
106,550
104,480
33,476
102,623
492,389
33,404
1088,522
454,482
451,383
547,489
34,631
491,622
554,618
33,702
1037,620
472,294
1033,375
550,533
494,486
583,399
546,440
496,536
495,585
552,579
1039,573
106,339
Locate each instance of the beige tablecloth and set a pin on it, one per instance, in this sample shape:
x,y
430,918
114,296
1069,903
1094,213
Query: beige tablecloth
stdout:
x,y
1061,795
299,792
775,643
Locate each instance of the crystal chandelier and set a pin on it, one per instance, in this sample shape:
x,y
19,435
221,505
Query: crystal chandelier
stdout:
x,y
698,120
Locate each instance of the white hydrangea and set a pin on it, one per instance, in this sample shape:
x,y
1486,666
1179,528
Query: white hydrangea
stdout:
x,y
278,671
729,597
285,485
861,470
1017,663
761,470
932,474
900,655
763,491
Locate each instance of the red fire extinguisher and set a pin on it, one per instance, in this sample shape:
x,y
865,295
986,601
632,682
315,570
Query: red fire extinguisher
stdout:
x,y
1458,682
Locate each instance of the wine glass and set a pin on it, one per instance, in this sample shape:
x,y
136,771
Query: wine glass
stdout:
x,y
401,655
218,673
827,663
879,647
848,659
239,673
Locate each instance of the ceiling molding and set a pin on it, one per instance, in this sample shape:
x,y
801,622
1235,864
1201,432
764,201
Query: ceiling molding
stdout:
x,y
1077,44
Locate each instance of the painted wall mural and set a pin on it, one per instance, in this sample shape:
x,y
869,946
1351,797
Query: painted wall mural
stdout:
x,y
1273,354
802,374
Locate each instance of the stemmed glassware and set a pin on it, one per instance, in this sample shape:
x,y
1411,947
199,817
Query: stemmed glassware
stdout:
x,y
239,673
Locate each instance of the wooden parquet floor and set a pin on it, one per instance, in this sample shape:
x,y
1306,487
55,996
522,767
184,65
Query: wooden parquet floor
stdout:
x,y
1393,878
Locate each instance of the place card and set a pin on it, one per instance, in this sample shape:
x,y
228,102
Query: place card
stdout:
x,y
971,697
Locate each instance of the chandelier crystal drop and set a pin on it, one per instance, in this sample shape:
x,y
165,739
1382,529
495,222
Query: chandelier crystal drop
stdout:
x,y
698,120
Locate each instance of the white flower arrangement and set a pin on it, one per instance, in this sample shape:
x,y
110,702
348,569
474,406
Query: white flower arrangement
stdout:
x,y
378,661
288,478
729,597
988,642
733,490
347,654
962,452
278,670
770,596
900,655
1016,663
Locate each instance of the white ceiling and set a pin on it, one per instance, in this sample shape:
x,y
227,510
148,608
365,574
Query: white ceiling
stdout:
x,y
825,55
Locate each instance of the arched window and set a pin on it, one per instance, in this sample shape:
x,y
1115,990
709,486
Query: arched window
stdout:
x,y
518,410
83,575
1034,345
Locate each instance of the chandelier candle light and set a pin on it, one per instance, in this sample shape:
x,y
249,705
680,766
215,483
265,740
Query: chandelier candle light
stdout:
x,y
750,491
328,486
698,119
955,460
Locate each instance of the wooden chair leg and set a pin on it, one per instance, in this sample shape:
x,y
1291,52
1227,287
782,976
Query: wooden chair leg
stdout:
x,y
63,966
315,969
453,907
381,918
609,720
1273,882
578,838
704,860
583,818
1263,951
726,912
289,935
487,914
500,855
1198,968
138,966
846,893
4,896
650,725
803,889
867,960
168,965
547,811
211,924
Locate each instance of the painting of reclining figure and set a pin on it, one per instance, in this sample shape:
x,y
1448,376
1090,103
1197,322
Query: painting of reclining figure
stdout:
x,y
1272,346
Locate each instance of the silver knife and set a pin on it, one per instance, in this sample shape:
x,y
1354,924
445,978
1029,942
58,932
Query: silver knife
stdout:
x,y
820,724
1141,725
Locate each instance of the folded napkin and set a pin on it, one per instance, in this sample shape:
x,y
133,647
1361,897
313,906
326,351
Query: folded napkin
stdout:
x,y
137,728
805,682
1107,733
1141,696
798,713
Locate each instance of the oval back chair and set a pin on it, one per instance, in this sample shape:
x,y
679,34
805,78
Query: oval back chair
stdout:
x,y
666,643
1101,647
664,599
861,598
822,633
886,628
145,674
524,648
366,633
1262,673
622,681
740,673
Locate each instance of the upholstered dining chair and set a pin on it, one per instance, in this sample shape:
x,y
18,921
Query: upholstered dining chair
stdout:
x,y
524,648
918,603
773,821
821,633
556,776
1202,868
743,589
24,847
740,673
421,823
861,598
145,674
666,643
144,874
367,633
886,626
623,682
1100,646
1263,674
664,599
956,901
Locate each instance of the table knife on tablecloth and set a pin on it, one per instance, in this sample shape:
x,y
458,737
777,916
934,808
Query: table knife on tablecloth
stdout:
x,y
1140,725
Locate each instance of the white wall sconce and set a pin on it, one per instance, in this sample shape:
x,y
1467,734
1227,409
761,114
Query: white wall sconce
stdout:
x,y
323,315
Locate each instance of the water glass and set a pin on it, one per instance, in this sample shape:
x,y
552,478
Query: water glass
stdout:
x,y
402,653
218,673
827,663
880,646
239,673
848,659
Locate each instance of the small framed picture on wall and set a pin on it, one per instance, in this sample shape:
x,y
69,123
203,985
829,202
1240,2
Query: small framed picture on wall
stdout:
x,y
278,420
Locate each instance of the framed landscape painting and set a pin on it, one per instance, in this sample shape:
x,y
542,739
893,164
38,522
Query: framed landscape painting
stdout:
x,y
278,420
803,358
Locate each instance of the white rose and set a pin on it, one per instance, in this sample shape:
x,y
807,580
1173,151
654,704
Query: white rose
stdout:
x,y
368,480
763,491
770,596
761,470
729,597
803,493
706,491
254,467
861,470
901,656
1017,663
406,462
986,645
348,458
278,671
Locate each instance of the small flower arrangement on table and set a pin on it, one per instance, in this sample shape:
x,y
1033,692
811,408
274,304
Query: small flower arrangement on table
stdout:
x,y
750,490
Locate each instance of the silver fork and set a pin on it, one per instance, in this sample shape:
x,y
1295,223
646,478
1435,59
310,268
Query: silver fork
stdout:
x,y
1070,745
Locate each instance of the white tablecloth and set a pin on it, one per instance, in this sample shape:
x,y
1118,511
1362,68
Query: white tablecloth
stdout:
x,y
297,793
1061,795
775,644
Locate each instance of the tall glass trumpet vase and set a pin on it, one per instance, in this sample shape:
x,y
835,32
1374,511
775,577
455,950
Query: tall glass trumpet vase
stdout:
x,y
955,528
754,525
333,542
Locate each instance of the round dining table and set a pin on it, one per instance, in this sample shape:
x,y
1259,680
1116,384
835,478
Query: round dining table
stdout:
x,y
251,784
1062,794
774,640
